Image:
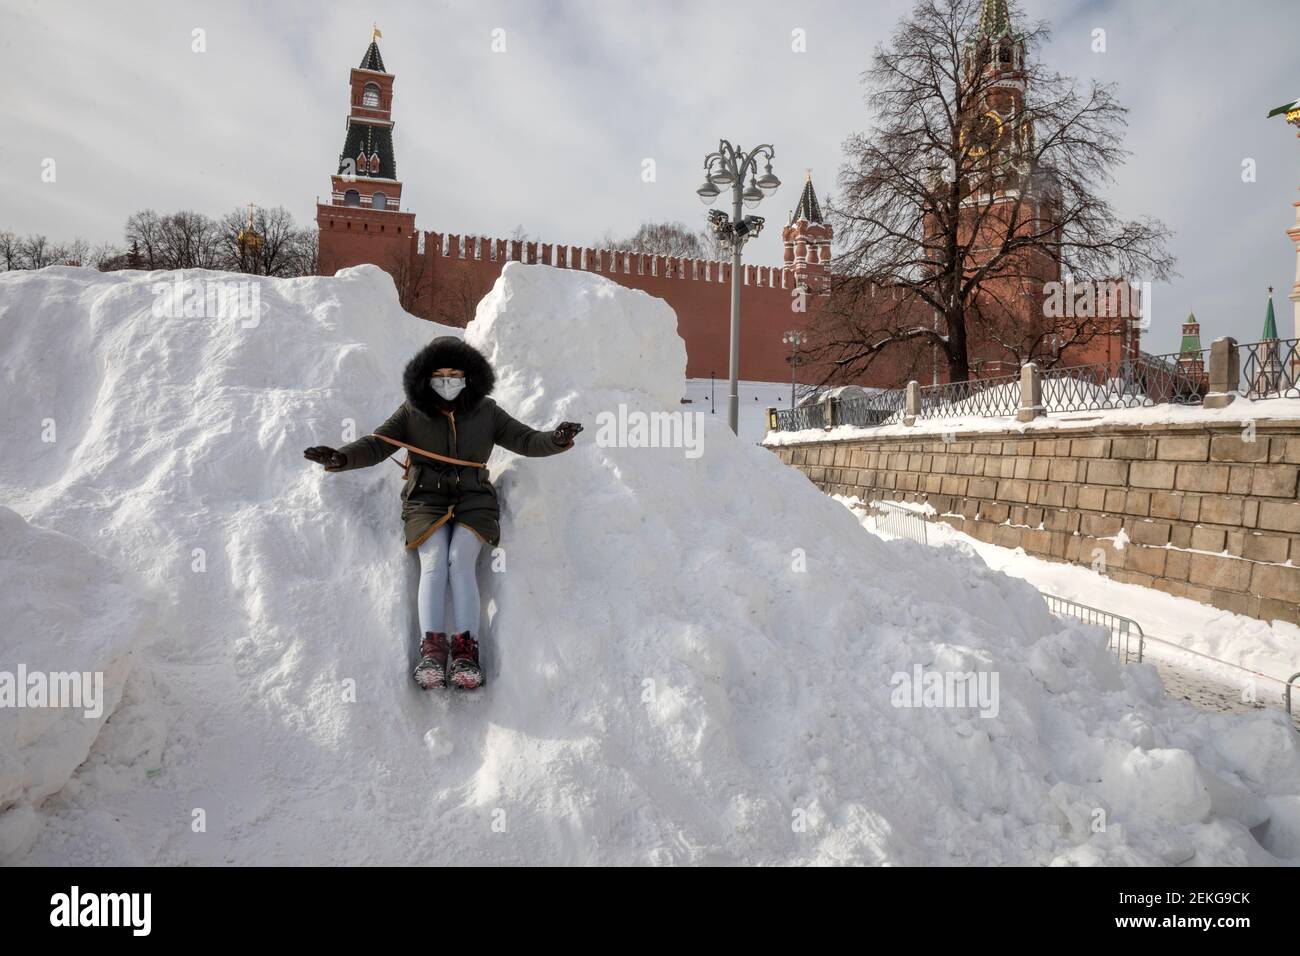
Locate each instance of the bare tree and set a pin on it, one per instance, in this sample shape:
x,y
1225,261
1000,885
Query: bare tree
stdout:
x,y
306,252
456,298
408,273
10,251
979,182
144,234
190,240
107,256
36,252
667,239
278,251
75,253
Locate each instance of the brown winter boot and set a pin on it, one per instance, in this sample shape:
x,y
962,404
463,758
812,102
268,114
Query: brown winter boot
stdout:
x,y
432,670
465,671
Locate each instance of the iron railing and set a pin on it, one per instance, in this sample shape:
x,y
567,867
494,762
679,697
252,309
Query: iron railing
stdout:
x,y
977,397
1270,369
876,408
1133,383
901,522
812,415
1123,630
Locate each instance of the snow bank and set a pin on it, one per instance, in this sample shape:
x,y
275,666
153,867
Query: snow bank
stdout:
x,y
70,625
690,659
1262,648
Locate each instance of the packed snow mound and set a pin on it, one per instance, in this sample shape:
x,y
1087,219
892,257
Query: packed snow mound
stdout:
x,y
546,336
71,624
691,658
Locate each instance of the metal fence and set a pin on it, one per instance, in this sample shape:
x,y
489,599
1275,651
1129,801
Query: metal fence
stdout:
x,y
1127,639
1124,631
1270,369
901,522
812,415
1133,383
978,397
878,408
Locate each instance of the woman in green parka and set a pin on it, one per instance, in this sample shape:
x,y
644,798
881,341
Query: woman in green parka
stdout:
x,y
449,506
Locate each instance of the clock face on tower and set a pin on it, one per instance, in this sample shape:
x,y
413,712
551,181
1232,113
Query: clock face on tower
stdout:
x,y
981,135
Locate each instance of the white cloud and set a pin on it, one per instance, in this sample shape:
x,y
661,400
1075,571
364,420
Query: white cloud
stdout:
x,y
552,133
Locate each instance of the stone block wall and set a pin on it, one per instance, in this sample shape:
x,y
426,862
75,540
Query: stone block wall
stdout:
x,y
1206,511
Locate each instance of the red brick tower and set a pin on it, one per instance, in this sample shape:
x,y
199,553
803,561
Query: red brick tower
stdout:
x,y
362,222
807,241
1189,349
1002,196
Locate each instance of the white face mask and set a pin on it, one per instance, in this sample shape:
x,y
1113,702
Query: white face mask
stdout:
x,y
448,387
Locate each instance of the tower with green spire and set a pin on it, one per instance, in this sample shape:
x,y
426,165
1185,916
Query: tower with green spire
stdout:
x,y
997,129
1189,351
1270,322
1267,381
994,19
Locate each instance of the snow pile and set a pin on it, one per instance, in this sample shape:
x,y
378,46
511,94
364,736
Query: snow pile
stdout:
x,y
690,659
1257,648
70,626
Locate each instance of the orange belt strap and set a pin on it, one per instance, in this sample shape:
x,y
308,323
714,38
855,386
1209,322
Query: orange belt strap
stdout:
x,y
428,454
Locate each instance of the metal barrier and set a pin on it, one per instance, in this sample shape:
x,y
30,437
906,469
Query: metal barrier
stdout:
x,y
1270,369
977,397
901,522
1122,629
1133,383
878,408
812,415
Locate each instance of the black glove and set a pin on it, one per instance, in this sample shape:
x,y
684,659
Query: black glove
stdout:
x,y
564,432
324,455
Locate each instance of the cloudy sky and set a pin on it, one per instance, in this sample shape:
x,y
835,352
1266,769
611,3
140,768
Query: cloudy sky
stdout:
x,y
552,133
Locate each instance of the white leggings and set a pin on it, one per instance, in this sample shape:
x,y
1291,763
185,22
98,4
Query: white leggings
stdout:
x,y
449,553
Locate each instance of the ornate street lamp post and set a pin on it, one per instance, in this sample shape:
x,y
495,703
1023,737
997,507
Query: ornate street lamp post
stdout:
x,y
794,339
728,167
1291,112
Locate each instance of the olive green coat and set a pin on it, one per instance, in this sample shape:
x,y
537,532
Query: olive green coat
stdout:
x,y
436,492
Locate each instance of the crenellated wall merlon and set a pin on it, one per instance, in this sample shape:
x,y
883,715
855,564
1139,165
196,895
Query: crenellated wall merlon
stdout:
x,y
616,262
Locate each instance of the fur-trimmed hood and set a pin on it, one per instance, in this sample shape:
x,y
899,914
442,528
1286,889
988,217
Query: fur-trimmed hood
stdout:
x,y
447,352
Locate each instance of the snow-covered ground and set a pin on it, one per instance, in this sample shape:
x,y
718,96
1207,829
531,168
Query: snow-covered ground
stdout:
x,y
1252,657
709,397
691,659
1241,411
